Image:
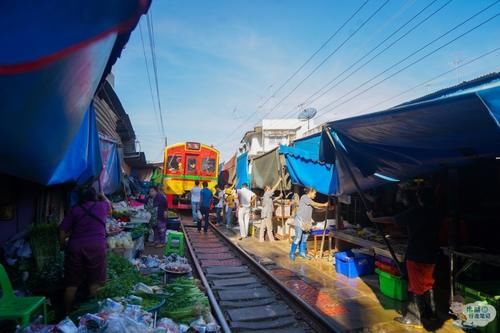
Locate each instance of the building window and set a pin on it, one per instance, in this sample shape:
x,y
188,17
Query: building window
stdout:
x,y
275,140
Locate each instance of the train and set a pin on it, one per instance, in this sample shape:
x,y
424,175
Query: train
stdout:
x,y
183,164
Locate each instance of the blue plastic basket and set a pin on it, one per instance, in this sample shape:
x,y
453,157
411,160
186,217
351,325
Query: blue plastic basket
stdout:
x,y
354,265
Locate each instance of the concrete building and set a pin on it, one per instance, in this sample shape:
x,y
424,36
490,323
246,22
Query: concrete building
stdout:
x,y
270,133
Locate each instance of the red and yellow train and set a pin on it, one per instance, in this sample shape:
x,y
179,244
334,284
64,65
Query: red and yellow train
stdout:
x,y
183,164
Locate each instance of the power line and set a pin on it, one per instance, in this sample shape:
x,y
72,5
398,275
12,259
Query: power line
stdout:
x,y
149,77
374,57
328,57
244,122
429,80
418,60
149,19
415,52
314,54
311,100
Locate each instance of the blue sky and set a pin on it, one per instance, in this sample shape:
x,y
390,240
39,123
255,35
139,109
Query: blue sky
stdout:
x,y
219,60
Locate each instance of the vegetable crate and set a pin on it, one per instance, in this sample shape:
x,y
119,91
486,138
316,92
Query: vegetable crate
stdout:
x,y
487,291
175,243
392,286
353,265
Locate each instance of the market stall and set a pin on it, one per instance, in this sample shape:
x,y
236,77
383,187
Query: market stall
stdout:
x,y
426,144
137,299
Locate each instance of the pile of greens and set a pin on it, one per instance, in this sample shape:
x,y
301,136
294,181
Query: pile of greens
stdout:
x,y
44,241
49,277
138,231
122,277
184,301
172,215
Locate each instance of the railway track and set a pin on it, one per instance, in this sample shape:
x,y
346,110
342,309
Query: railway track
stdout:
x,y
244,296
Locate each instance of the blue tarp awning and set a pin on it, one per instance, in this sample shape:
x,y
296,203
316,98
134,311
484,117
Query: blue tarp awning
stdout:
x,y
111,175
416,138
54,56
310,144
81,162
305,170
242,172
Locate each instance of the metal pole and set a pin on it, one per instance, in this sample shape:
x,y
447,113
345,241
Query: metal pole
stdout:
x,y
364,201
280,172
324,229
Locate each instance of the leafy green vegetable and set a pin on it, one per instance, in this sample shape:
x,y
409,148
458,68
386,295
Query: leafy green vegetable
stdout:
x,y
44,242
122,277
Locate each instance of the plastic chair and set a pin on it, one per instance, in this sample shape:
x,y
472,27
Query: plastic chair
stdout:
x,y
15,308
175,243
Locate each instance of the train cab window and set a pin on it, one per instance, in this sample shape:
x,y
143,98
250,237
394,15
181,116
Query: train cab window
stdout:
x,y
174,163
208,165
191,165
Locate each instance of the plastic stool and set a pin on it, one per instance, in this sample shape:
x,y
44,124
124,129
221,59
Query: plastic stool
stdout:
x,y
175,243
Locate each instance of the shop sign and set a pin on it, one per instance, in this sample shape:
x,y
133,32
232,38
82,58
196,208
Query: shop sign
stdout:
x,y
479,314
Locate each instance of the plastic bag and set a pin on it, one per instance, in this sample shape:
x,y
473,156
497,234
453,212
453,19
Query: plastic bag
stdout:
x,y
67,326
151,236
92,323
199,215
111,306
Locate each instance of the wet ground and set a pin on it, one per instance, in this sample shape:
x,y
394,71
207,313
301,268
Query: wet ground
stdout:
x,y
356,305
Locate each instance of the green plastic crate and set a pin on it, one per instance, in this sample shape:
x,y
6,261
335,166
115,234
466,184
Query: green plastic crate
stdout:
x,y
392,286
488,291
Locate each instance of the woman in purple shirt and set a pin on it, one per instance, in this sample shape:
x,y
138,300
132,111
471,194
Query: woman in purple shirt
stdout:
x,y
85,258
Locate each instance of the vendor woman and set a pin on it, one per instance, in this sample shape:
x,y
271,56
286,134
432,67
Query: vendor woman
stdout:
x,y
422,221
85,256
303,222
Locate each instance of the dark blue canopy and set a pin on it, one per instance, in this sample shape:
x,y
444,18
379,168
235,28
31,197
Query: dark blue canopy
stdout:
x,y
242,172
304,170
416,138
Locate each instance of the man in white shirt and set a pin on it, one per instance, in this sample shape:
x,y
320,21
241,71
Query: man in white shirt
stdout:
x,y
246,199
195,200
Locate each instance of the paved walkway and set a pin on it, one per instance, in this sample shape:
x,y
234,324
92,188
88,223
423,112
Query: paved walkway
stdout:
x,y
356,305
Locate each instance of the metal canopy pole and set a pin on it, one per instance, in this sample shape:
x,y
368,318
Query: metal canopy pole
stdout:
x,y
364,201
280,172
324,229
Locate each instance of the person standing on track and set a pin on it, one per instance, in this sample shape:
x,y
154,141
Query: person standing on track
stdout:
x,y
230,205
267,212
205,203
195,200
246,199
219,206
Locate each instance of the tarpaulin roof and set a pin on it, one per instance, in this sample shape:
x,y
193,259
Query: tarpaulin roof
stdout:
x,y
267,169
53,59
310,144
227,172
81,162
111,175
242,172
305,170
417,138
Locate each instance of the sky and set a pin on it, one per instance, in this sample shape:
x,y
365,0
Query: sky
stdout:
x,y
218,61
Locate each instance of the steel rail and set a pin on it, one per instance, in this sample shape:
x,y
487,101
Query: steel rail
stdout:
x,y
211,297
325,325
